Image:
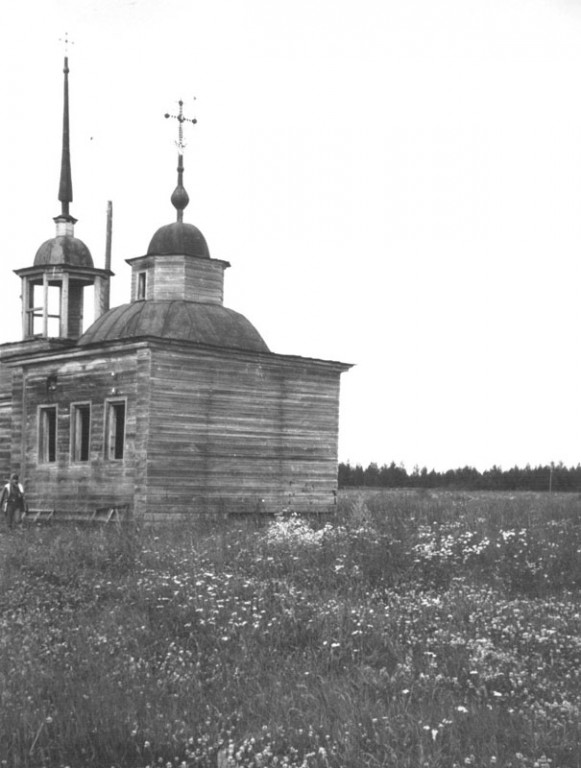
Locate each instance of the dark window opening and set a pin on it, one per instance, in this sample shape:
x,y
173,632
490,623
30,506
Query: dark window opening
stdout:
x,y
81,430
115,425
47,435
141,285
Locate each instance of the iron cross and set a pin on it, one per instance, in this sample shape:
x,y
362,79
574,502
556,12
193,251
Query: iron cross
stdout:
x,y
181,120
67,41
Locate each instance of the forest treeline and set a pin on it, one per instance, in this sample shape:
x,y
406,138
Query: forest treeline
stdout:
x,y
555,477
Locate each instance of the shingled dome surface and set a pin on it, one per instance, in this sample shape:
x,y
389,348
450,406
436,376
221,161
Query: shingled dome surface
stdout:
x,y
64,249
178,238
210,324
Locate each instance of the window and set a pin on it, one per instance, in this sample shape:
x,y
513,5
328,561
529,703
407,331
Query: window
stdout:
x,y
114,429
43,312
80,431
47,434
141,285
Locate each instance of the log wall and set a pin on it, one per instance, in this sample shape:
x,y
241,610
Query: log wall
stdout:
x,y
204,280
254,434
77,488
207,431
5,423
180,277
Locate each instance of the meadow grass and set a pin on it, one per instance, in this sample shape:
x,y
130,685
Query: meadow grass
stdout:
x,y
411,629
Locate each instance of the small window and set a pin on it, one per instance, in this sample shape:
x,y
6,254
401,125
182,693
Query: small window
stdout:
x,y
80,431
115,429
47,434
141,285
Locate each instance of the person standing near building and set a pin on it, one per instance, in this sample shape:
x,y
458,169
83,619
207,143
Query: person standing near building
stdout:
x,y
12,500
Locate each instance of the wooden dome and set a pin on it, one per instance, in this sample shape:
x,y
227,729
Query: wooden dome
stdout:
x,y
63,249
178,238
209,324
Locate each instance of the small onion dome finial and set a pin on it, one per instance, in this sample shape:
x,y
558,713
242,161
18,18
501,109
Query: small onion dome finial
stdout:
x,y
180,197
179,200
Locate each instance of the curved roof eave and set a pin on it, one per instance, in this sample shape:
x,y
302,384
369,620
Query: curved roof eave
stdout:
x,y
176,319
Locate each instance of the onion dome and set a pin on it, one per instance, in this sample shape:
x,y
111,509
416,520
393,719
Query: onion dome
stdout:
x,y
179,320
178,238
63,250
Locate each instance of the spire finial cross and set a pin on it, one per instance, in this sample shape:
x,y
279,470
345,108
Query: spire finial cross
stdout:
x,y
66,40
181,145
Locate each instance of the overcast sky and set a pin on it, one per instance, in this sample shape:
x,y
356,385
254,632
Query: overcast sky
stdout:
x,y
396,183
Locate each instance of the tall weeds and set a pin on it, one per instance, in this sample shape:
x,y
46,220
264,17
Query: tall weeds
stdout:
x,y
410,630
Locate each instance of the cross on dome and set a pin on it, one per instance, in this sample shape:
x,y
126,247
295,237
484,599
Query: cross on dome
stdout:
x,y
66,40
181,145
180,198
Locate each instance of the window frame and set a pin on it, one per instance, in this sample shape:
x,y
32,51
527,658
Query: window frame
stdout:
x,y
47,433
141,287
79,441
38,312
110,427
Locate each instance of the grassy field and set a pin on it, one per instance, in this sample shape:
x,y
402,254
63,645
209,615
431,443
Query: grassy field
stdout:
x,y
413,629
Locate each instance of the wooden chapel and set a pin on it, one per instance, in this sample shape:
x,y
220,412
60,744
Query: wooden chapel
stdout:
x,y
171,404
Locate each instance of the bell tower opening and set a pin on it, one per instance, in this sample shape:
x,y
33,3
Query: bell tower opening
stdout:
x,y
43,317
59,303
54,299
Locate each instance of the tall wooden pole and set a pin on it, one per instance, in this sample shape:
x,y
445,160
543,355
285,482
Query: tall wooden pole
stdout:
x,y
108,242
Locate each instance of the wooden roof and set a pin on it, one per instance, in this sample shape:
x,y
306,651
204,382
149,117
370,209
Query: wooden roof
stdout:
x,y
178,238
210,324
63,249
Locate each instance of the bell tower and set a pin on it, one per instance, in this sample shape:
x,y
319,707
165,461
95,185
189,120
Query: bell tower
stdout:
x,y
53,289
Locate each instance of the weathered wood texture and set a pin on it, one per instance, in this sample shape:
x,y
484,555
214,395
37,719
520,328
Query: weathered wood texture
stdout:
x,y
207,431
75,311
172,319
5,422
76,488
252,434
180,277
17,450
142,264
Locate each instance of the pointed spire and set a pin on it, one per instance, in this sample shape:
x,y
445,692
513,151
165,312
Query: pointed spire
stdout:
x,y
66,184
180,198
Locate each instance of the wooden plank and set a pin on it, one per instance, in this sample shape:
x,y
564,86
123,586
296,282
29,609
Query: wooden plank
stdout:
x,y
248,435
77,488
115,513
207,431
41,515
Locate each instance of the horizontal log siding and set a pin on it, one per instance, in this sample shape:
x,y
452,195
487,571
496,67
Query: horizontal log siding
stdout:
x,y
185,277
206,430
233,435
143,397
204,281
77,488
5,439
5,422
17,452
169,277
180,277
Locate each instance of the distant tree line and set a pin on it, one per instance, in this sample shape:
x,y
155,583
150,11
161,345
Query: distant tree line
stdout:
x,y
555,477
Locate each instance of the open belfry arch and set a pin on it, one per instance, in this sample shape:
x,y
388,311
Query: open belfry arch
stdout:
x,y
171,404
53,288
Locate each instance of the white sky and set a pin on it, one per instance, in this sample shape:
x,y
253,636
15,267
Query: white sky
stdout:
x,y
396,183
